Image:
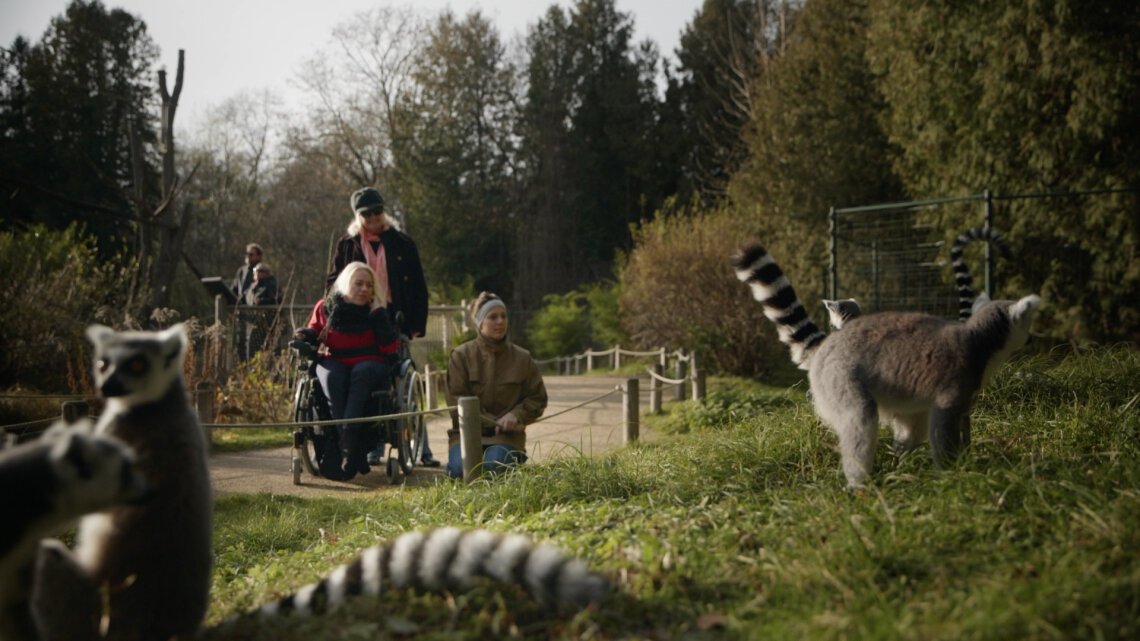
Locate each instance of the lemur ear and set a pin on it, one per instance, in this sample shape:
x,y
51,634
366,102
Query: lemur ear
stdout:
x,y
1024,308
173,340
981,301
831,305
96,333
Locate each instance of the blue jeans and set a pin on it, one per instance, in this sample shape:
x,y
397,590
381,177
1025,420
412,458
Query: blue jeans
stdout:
x,y
496,458
349,390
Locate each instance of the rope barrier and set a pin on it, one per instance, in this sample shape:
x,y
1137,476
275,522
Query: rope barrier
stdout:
x,y
670,381
20,397
366,419
617,388
40,421
230,392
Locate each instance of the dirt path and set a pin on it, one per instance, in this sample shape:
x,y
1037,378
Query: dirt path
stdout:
x,y
589,430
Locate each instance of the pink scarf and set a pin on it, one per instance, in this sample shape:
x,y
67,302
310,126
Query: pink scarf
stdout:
x,y
376,260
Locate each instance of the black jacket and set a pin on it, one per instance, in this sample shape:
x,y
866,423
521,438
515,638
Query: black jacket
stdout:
x,y
405,275
262,292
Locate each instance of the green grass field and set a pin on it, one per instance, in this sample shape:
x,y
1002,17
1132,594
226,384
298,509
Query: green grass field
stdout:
x,y
738,525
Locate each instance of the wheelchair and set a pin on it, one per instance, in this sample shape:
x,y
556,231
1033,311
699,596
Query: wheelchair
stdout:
x,y
403,435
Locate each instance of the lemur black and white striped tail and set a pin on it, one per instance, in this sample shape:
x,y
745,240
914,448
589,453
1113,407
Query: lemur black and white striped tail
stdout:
x,y
962,278
772,289
450,558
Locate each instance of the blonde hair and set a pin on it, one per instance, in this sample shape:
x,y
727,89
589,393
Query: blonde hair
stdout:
x,y
344,281
357,223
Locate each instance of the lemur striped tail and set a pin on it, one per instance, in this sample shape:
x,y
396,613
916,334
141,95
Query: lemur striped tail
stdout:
x,y
781,305
962,278
449,557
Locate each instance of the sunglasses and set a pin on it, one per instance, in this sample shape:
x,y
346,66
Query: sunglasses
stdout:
x,y
374,212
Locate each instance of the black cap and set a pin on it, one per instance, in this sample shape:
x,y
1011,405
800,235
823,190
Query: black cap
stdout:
x,y
366,199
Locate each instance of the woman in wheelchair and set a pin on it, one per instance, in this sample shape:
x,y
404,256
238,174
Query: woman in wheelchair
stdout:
x,y
352,323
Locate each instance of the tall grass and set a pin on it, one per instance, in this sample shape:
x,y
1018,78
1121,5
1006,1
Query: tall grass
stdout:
x,y
739,526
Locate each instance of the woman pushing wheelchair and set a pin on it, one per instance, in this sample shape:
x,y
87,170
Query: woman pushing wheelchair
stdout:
x,y
352,323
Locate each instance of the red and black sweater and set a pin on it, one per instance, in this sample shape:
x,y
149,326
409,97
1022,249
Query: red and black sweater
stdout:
x,y
355,332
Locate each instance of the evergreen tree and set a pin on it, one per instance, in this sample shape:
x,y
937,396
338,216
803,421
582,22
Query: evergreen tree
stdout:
x,y
1023,97
65,107
720,55
588,135
814,139
454,156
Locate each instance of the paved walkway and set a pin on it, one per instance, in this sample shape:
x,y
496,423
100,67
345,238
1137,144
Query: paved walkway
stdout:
x,y
590,430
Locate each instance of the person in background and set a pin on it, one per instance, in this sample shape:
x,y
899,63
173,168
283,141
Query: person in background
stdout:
x,y
263,291
352,323
374,238
507,382
243,280
244,277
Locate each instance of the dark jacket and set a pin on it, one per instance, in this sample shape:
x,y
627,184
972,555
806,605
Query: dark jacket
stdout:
x,y
242,280
262,292
405,275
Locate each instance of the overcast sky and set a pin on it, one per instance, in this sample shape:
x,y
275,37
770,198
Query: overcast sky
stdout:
x,y
232,45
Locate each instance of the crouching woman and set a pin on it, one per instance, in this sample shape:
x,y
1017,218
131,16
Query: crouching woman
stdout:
x,y
505,379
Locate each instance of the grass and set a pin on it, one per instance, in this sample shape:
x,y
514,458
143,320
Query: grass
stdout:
x,y
737,525
239,439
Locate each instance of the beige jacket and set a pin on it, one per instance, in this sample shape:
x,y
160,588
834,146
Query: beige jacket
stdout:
x,y
505,379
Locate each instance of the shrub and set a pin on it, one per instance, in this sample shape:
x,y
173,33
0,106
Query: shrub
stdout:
x,y
559,328
604,312
678,289
569,323
53,285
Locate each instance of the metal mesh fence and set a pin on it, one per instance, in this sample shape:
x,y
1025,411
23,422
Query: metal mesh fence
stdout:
x,y
895,256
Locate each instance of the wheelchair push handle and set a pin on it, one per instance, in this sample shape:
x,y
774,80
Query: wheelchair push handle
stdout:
x,y
305,343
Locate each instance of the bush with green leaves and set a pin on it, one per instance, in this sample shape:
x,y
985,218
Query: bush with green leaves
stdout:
x,y
54,285
586,317
559,328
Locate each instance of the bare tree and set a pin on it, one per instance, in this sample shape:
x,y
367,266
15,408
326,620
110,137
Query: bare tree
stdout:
x,y
164,225
357,85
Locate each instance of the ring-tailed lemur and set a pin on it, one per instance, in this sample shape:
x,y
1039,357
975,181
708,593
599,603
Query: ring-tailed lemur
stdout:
x,y
841,311
153,560
45,485
962,277
918,370
446,558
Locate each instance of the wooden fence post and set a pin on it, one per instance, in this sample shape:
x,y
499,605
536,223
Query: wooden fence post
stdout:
x,y
655,390
204,404
470,438
589,360
698,374
617,356
679,373
72,411
630,422
429,388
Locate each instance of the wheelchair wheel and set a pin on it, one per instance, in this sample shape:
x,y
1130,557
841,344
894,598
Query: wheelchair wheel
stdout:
x,y
308,440
412,429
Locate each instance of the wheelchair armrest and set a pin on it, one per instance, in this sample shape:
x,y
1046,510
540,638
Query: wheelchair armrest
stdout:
x,y
304,348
